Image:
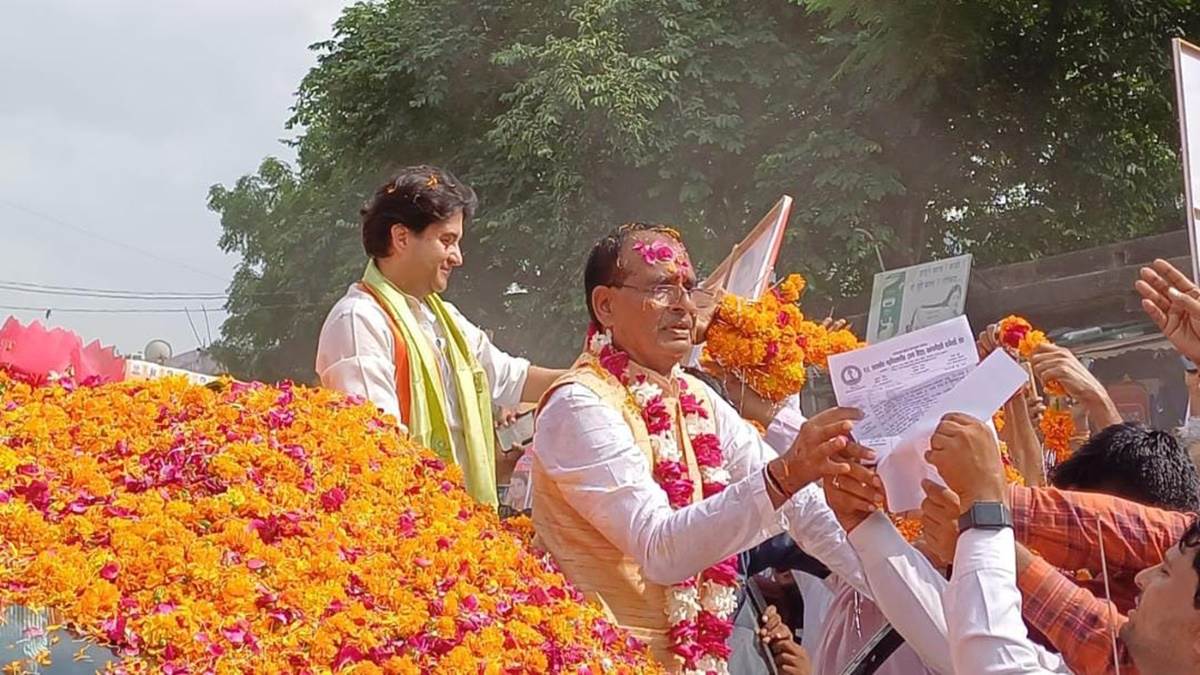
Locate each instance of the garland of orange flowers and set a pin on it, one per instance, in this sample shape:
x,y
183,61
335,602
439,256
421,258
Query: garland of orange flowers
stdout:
x,y
249,528
1057,425
767,342
1018,334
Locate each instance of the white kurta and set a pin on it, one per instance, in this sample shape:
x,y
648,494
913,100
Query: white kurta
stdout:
x,y
916,601
983,608
586,447
356,354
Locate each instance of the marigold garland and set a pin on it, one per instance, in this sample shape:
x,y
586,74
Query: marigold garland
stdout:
x,y
263,529
768,342
1057,427
1018,334
700,610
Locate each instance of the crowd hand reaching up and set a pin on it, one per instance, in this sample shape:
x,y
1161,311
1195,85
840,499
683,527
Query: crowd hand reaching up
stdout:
x,y
830,324
939,522
1035,406
1022,415
823,448
1052,362
1192,379
853,501
749,403
965,454
1172,302
790,658
988,341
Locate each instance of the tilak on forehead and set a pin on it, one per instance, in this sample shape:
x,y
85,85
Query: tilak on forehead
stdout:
x,y
662,246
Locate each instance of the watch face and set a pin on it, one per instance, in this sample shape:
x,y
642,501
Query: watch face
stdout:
x,y
989,514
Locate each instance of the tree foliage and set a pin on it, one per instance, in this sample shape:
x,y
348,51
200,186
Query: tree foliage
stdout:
x,y
919,129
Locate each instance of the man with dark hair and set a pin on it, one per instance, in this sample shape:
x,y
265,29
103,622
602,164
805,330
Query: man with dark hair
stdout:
x,y
993,559
1133,462
646,483
393,341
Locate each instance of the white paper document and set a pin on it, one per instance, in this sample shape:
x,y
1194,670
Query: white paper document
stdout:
x,y
896,381
980,394
905,385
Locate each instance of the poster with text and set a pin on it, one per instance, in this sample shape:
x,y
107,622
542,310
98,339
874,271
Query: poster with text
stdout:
x,y
914,297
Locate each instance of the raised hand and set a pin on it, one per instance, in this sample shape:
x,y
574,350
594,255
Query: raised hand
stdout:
x,y
1035,406
749,403
988,340
939,522
966,456
1054,362
831,324
707,305
1172,302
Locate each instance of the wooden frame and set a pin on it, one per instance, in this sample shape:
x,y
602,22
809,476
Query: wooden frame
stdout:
x,y
1178,49
775,222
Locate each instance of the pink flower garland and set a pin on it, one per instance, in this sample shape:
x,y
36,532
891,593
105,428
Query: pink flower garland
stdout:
x,y
701,609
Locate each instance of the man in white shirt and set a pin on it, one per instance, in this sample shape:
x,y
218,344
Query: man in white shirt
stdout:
x,y
646,482
983,605
393,341
905,585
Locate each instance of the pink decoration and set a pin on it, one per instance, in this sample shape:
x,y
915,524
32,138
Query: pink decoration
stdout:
x,y
708,450
332,500
110,571
654,251
38,353
691,406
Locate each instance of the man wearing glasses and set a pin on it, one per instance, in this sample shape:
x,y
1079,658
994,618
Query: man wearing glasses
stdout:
x,y
646,483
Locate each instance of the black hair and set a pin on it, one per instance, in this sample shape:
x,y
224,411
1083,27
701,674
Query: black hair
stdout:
x,y
416,197
1134,462
603,267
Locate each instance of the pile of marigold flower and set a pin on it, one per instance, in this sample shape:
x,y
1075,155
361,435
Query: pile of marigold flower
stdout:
x,y
247,528
768,343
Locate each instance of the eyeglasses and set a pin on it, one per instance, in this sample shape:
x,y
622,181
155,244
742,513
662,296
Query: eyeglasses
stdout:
x,y
666,295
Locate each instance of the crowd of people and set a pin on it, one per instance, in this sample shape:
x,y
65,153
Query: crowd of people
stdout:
x,y
727,548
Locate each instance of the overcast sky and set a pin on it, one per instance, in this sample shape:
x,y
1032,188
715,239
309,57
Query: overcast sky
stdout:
x,y
115,118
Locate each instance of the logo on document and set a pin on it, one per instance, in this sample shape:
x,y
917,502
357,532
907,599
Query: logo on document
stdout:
x,y
852,375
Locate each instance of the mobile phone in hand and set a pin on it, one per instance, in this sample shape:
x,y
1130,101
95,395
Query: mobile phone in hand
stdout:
x,y
517,434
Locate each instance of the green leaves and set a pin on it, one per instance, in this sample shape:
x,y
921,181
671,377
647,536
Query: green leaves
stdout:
x,y
1009,128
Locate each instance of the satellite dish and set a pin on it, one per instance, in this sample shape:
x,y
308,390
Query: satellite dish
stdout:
x,y
157,351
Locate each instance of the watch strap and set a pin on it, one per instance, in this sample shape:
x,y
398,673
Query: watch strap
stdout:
x,y
985,516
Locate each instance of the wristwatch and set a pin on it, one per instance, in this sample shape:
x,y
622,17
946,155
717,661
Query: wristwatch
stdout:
x,y
985,516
